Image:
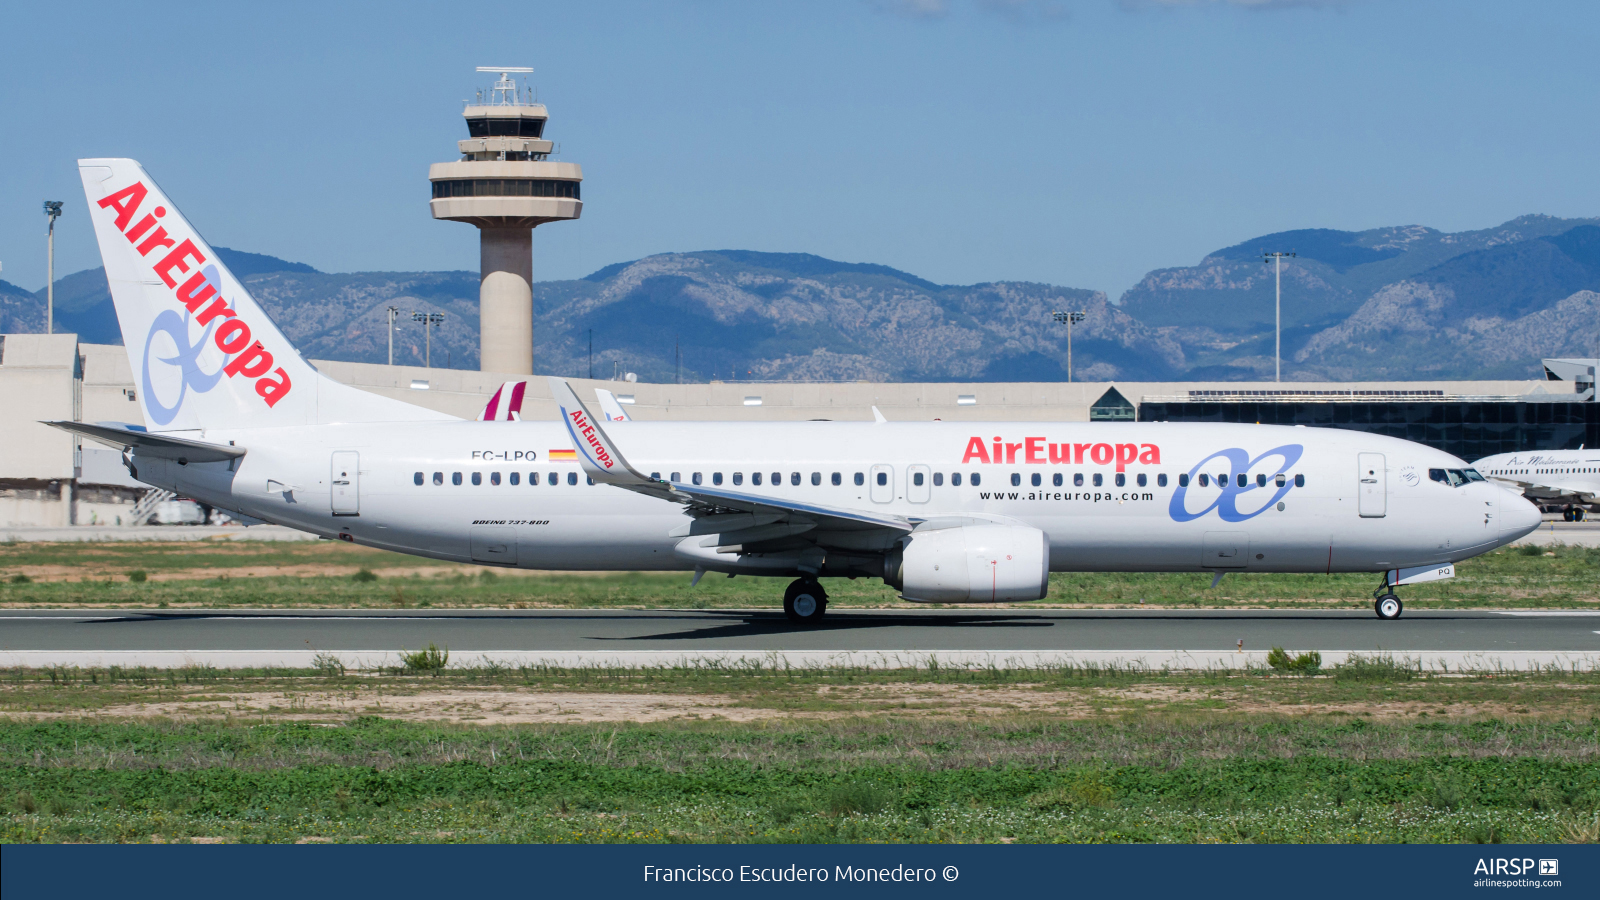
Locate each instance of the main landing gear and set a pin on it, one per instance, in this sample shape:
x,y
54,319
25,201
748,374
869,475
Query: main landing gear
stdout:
x,y
1572,514
805,601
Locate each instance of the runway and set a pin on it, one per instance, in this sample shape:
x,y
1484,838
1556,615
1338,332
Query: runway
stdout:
x,y
875,638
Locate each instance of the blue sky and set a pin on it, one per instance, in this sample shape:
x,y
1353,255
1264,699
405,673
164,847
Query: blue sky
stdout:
x,y
1080,142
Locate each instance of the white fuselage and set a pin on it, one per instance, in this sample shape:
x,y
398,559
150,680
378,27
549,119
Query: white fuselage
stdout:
x,y
1547,474
1347,501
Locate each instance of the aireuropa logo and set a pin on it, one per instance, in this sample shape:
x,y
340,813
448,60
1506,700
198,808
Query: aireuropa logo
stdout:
x,y
201,296
185,359
1223,482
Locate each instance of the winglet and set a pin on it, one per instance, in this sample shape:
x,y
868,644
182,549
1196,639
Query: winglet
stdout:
x,y
878,416
596,452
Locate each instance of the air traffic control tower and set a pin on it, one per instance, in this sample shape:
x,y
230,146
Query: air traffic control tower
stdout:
x,y
505,184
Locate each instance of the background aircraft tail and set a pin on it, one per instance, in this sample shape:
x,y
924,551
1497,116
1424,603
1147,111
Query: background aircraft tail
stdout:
x,y
204,354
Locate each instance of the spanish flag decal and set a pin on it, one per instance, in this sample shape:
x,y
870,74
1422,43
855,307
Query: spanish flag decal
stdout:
x,y
560,455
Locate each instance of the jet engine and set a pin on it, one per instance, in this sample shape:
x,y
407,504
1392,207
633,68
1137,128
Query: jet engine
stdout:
x,y
971,564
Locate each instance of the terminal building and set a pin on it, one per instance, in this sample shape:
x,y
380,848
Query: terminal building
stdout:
x,y
50,478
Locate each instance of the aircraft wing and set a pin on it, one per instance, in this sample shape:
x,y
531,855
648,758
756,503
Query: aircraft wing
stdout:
x,y
159,446
604,462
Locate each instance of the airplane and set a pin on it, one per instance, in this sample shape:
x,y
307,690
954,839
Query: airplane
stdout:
x,y
944,512
1569,477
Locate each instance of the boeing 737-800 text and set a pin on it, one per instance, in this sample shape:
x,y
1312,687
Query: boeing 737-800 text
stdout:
x,y
943,511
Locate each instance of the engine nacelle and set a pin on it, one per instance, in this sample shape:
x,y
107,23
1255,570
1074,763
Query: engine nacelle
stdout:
x,y
972,564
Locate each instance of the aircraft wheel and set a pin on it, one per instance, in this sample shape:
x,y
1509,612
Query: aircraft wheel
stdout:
x,y
805,602
1577,514
1566,515
1388,607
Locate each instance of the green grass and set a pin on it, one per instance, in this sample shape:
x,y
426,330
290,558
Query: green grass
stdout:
x,y
888,780
1570,577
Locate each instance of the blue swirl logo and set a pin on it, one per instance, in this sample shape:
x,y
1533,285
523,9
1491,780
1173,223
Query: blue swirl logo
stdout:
x,y
1230,494
186,358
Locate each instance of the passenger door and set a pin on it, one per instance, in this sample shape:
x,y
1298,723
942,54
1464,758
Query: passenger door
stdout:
x,y
882,480
919,486
1372,485
345,483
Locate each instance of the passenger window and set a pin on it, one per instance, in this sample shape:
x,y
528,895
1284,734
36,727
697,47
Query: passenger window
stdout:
x,y
716,477
794,479
1242,479
1161,480
417,478
695,478
655,476
438,478
1299,481
837,479
916,479
455,478
477,478
515,478
1037,479
572,478
1122,480
1016,479
494,477
1099,479
1183,480
777,478
883,478
955,479
816,479
1281,480
1056,479
738,478
977,478
1204,479
938,479
1077,479
590,479
755,478
533,479
1261,480
1141,479
676,476
555,478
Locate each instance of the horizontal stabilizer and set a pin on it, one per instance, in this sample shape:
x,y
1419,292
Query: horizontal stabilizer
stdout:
x,y
159,446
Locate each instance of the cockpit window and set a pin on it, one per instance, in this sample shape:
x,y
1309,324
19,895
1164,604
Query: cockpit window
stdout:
x,y
1457,477
1472,475
1438,475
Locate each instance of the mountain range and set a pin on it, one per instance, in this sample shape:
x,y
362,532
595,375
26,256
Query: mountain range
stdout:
x,y
1388,303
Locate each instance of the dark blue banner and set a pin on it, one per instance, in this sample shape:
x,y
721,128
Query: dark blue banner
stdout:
x,y
1172,872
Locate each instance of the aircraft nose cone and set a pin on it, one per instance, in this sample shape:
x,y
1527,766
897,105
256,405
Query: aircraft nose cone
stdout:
x,y
1517,517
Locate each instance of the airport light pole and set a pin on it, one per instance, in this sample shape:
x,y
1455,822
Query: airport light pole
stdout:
x,y
394,313
1070,318
52,211
1276,258
429,322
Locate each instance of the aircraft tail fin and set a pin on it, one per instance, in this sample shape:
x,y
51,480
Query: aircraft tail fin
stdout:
x,y
203,352
609,405
506,404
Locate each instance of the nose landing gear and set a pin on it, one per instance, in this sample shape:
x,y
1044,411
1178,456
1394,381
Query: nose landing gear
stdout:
x,y
1388,606
1385,602
805,602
